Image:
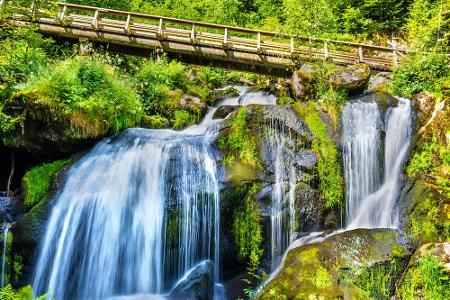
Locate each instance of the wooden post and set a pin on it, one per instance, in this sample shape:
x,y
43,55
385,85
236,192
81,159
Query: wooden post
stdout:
x,y
394,52
128,25
160,33
63,12
95,20
225,38
325,49
258,46
361,54
33,8
193,34
292,45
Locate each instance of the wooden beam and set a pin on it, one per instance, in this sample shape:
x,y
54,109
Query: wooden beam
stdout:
x,y
292,45
258,46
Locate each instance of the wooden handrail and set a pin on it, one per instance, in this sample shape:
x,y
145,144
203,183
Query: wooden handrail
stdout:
x,y
223,27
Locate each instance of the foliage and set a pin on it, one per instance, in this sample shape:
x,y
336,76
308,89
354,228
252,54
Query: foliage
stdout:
x,y
429,280
25,293
94,98
421,73
38,181
330,171
239,143
183,119
322,278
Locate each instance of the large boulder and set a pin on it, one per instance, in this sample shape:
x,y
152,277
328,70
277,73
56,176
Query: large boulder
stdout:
x,y
379,82
197,284
352,78
357,264
302,82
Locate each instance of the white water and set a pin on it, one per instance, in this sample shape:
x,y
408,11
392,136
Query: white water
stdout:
x,y
136,213
379,209
5,242
282,215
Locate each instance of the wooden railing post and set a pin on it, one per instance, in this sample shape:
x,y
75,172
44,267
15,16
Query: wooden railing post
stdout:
x,y
361,54
33,9
193,34
62,13
258,46
160,32
225,38
292,45
128,25
95,20
325,49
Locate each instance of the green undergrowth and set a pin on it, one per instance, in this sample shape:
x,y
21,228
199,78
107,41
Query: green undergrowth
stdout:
x,y
422,73
89,94
239,144
24,293
330,171
38,181
428,280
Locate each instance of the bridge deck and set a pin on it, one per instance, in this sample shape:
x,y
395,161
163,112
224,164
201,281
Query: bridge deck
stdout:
x,y
204,40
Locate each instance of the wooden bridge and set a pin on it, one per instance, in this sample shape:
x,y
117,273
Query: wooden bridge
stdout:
x,y
203,41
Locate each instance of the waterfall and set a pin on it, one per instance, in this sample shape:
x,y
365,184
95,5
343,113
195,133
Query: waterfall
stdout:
x,y
136,213
5,243
282,214
372,204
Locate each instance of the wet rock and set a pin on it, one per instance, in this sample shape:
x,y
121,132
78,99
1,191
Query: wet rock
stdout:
x,y
353,78
423,105
379,82
306,159
302,82
357,264
223,111
197,284
192,104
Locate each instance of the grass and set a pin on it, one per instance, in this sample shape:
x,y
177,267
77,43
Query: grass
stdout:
x,y
38,181
329,167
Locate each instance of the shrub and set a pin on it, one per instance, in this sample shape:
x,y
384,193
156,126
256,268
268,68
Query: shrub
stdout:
x,y
88,93
421,73
38,181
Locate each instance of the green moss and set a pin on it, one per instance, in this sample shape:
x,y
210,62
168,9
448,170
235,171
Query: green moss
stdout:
x,y
322,278
37,182
238,144
427,280
155,121
329,167
246,227
183,118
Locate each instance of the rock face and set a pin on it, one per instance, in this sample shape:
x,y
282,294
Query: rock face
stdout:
x,y
353,78
57,138
198,284
356,264
192,104
223,111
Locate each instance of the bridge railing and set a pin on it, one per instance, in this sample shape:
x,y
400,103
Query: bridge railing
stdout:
x,y
217,35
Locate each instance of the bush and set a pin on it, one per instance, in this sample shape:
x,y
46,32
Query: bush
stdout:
x,y
38,181
421,73
89,93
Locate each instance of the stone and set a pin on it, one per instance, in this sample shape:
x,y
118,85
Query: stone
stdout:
x,y
302,82
356,264
197,284
352,78
306,159
223,111
423,104
192,104
379,82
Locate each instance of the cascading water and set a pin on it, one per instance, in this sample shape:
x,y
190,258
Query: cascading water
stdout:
x,y
136,213
370,205
282,215
5,242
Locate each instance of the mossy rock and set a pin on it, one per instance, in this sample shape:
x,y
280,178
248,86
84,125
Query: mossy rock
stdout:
x,y
357,264
427,274
354,78
427,213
